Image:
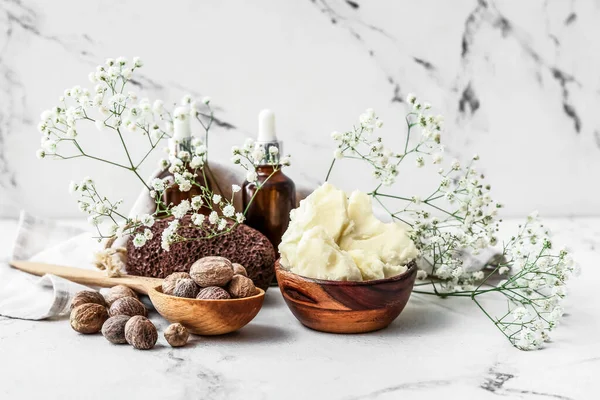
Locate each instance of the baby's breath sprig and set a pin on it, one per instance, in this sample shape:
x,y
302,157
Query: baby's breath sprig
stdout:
x,y
459,219
111,108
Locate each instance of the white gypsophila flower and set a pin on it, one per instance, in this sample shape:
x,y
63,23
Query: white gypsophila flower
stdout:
x,y
200,150
520,313
235,188
73,186
158,106
258,154
338,154
222,224
411,98
197,202
169,235
158,184
183,155
455,165
251,176
239,217
249,144
437,158
147,220
206,99
196,162
503,270
101,208
137,62
185,185
181,209
478,275
185,100
273,150
148,234
529,339
216,198
335,135
417,200
93,220
286,161
229,210
198,219
40,153
421,274
420,161
213,217
379,123
196,141
139,240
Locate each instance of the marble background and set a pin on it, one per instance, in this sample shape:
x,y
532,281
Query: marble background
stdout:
x,y
518,82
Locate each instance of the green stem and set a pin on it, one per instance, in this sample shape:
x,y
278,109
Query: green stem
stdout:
x,y
329,171
258,190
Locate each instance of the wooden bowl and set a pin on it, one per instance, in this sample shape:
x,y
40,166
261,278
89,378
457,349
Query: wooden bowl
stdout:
x,y
346,306
207,317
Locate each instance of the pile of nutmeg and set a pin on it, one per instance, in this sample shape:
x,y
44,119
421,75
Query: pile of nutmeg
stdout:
x,y
211,278
121,317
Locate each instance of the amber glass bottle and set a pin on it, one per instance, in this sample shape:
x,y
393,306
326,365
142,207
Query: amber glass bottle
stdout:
x,y
269,210
173,195
182,142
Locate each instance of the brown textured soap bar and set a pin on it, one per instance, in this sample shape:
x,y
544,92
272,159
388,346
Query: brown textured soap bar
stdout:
x,y
244,245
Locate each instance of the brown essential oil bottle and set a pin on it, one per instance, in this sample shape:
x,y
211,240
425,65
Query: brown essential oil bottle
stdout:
x,y
183,141
269,210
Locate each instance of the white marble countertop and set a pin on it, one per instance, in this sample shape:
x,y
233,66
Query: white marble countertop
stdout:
x,y
436,349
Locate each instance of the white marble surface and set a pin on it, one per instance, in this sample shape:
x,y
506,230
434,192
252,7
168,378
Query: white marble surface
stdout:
x,y
517,80
435,349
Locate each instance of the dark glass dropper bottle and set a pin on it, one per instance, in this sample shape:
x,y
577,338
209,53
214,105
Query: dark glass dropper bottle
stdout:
x,y
182,141
269,210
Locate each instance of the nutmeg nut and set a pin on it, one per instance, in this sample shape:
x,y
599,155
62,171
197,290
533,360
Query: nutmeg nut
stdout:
x,y
114,329
141,333
212,271
213,293
128,306
170,281
118,292
87,296
241,286
238,269
186,288
176,335
88,317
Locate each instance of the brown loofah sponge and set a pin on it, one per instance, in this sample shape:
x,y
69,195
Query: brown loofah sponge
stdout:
x,y
244,246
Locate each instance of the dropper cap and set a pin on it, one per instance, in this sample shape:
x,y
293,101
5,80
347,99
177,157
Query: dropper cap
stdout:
x,y
181,124
267,138
266,126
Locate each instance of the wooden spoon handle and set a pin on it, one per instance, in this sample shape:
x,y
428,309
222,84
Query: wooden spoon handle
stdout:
x,y
87,277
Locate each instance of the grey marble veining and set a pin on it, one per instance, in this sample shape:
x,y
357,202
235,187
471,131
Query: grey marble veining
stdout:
x,y
517,81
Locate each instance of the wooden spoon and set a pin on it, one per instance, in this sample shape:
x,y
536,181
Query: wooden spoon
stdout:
x,y
202,317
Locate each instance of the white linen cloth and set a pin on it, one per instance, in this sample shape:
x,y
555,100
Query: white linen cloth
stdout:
x,y
29,297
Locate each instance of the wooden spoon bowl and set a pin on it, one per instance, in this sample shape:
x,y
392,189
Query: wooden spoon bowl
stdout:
x,y
202,317
207,317
346,306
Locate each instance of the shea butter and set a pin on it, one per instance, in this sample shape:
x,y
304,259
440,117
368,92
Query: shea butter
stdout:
x,y
336,238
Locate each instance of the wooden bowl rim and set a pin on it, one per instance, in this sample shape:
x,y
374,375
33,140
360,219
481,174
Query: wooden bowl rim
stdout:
x,y
158,290
412,266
